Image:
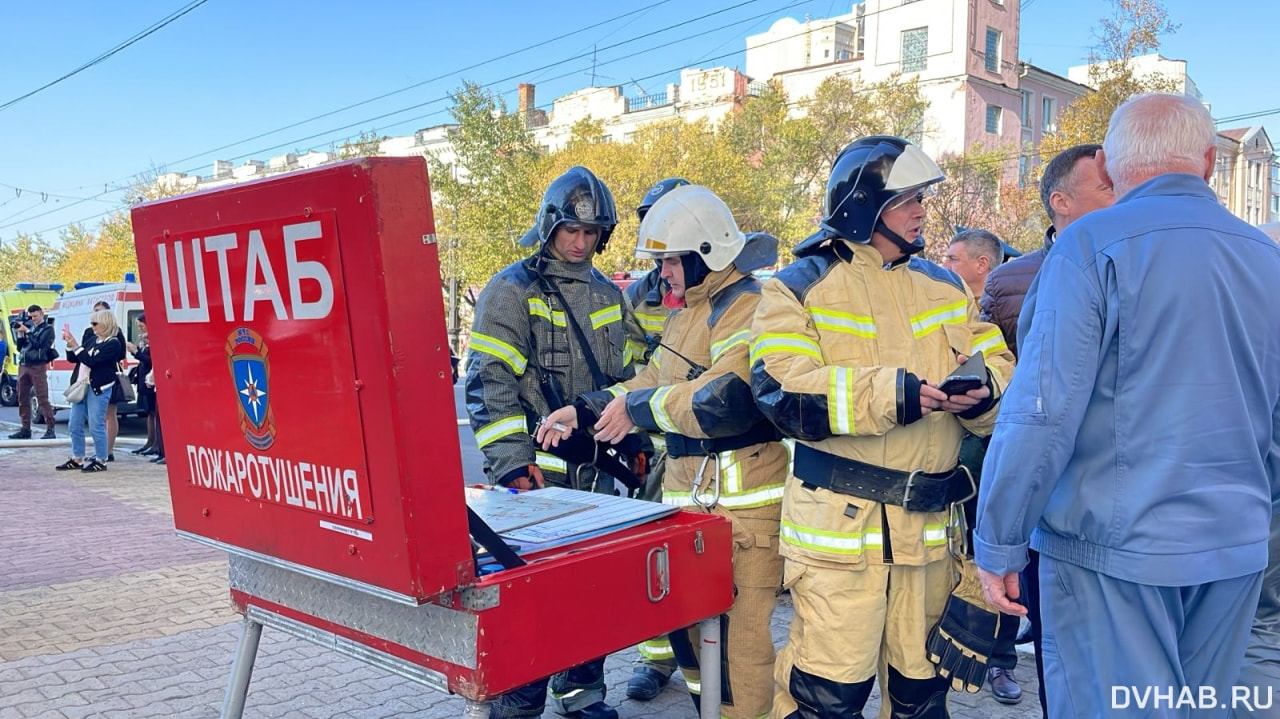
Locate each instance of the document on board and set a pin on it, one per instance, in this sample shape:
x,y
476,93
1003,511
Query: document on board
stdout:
x,y
603,513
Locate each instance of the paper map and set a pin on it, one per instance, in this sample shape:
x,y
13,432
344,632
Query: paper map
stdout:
x,y
504,511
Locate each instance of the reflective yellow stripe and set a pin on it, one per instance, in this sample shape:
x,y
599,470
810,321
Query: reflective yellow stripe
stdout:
x,y
538,307
495,431
821,540
837,321
655,359
952,314
730,473
659,441
992,341
935,535
651,323
840,400
659,412
551,462
695,687
497,348
784,342
617,390
737,338
759,497
600,318
657,650
634,349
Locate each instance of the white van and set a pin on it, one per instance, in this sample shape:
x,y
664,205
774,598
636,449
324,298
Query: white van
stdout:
x,y
72,310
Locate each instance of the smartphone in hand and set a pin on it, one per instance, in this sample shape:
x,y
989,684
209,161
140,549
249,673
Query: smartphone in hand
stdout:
x,y
972,374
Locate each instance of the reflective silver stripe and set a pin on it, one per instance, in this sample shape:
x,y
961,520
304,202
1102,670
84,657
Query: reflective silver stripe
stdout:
x,y
784,342
540,308
651,323
737,338
837,321
992,341
549,461
494,431
840,401
935,534
821,540
497,348
952,314
659,412
731,473
600,318
617,390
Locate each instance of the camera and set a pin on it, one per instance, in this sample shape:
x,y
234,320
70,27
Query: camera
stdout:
x,y
20,318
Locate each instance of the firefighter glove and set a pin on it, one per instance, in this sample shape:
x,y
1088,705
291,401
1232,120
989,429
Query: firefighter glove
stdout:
x,y
969,633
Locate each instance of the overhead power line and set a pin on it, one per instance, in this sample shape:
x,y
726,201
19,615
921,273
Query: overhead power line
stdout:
x,y
428,81
135,38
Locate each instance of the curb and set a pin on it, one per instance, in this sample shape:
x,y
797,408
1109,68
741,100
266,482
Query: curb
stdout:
x,y
62,440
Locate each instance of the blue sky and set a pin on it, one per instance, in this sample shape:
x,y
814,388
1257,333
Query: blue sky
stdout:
x,y
233,69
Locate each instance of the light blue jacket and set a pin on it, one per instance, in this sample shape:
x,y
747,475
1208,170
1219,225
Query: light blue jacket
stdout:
x,y
1139,435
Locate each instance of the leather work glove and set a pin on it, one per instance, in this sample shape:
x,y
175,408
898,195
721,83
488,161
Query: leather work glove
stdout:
x,y
969,633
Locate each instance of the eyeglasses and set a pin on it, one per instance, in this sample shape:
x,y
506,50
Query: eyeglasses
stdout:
x,y
95,324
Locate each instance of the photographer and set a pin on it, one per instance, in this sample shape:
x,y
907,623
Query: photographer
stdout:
x,y
35,350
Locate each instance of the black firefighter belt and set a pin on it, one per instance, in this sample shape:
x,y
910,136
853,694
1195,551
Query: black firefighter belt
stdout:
x,y
913,491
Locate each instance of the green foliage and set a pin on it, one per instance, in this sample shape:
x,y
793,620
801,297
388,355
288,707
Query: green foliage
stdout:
x,y
1133,30
486,194
366,145
28,258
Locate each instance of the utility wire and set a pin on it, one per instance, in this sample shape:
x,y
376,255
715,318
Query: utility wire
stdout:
x,y
138,36
521,74
420,84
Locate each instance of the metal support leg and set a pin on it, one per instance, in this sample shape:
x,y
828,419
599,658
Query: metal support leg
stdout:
x,y
476,710
242,670
709,666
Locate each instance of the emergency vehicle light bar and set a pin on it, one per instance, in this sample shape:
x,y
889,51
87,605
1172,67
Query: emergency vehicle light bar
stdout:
x,y
56,287
82,285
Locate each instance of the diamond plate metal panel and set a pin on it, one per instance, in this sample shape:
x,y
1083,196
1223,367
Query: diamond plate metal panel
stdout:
x,y
430,629
368,655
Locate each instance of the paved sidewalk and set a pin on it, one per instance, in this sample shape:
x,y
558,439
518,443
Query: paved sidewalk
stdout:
x,y
105,613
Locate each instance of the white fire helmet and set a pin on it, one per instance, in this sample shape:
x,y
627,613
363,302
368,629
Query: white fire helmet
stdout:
x,y
693,219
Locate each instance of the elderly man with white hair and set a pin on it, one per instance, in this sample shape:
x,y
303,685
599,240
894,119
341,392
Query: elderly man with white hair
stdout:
x,y
1138,444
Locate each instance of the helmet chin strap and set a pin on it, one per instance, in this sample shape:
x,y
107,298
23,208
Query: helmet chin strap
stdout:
x,y
908,248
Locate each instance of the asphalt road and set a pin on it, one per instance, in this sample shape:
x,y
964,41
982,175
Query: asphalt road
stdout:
x,y
136,427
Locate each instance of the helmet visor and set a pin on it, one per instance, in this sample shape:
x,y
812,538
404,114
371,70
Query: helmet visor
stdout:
x,y
916,194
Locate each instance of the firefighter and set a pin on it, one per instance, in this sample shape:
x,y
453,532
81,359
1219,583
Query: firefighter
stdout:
x,y
547,328
723,456
849,344
646,298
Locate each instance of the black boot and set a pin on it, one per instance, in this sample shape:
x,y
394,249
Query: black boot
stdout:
x,y
820,698
24,433
917,698
48,433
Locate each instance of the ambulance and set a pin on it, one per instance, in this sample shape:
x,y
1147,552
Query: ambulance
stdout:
x,y
72,311
13,305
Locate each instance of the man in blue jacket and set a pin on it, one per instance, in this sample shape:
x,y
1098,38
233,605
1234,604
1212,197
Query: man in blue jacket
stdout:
x,y
1138,445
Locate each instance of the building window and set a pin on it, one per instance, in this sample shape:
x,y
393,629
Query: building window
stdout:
x,y
1049,114
1024,168
993,50
1028,102
993,119
915,49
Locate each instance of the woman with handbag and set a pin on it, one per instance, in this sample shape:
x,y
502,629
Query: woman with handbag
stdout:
x,y
117,391
90,391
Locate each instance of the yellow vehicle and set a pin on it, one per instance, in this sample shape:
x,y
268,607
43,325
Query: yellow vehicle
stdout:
x,y
13,309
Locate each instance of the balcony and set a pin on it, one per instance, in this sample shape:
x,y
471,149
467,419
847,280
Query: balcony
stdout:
x,y
644,102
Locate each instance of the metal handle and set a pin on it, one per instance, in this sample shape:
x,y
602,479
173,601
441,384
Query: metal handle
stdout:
x,y
657,574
